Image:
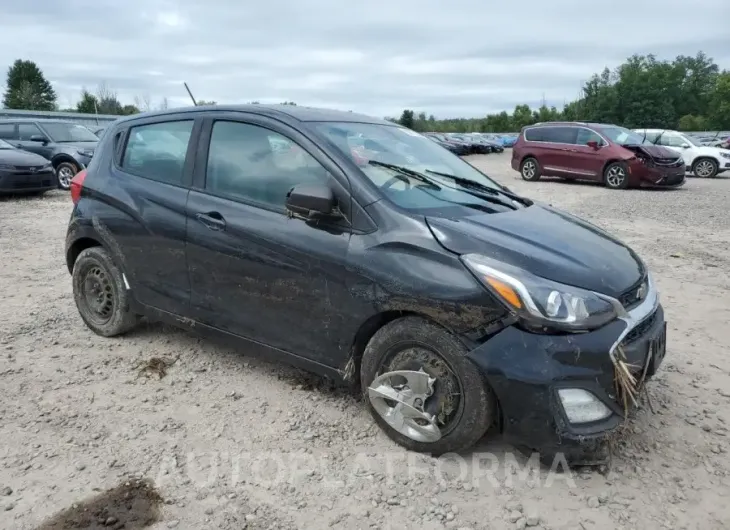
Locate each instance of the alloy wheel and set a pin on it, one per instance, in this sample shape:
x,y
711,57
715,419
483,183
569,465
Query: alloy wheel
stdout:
x,y
65,174
616,176
529,168
704,168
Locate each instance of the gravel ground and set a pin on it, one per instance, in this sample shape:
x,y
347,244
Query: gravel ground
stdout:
x,y
234,442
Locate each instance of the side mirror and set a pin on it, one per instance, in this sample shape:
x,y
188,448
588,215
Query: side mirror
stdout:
x,y
685,146
38,138
592,144
312,201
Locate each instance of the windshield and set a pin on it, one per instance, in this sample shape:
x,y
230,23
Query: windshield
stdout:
x,y
623,136
69,132
5,145
366,143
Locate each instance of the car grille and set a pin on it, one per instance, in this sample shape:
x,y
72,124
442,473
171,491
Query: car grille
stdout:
x,y
669,162
20,185
635,295
641,328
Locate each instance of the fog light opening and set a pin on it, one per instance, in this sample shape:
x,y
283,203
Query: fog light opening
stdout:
x,y
582,406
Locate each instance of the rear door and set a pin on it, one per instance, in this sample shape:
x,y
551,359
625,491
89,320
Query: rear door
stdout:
x,y
143,211
9,132
255,271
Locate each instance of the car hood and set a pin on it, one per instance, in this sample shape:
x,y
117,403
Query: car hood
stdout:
x,y
654,151
548,243
16,157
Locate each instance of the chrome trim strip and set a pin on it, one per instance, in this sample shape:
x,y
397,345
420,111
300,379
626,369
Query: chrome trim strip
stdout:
x,y
572,171
637,315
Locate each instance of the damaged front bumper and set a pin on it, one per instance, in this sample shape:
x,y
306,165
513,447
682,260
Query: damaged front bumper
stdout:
x,y
527,371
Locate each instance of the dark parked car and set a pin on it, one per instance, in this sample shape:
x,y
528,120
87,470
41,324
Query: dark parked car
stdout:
x,y
458,148
478,145
69,146
23,172
455,304
610,154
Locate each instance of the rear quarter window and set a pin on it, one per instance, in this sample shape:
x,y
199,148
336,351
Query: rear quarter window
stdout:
x,y
157,151
535,135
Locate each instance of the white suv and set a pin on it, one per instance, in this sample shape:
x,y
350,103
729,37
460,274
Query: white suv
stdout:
x,y
702,160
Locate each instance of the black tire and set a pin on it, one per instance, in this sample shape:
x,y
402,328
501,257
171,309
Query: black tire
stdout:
x,y
65,171
707,168
530,169
110,313
477,408
616,176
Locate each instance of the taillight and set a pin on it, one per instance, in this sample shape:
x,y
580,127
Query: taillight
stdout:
x,y
76,184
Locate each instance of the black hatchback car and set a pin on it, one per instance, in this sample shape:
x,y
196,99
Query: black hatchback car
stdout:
x,y
455,304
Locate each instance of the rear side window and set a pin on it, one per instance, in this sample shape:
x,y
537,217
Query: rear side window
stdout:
x,y
7,131
157,151
534,135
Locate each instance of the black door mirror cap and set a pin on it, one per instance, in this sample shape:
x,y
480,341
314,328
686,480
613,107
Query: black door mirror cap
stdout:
x,y
312,201
38,138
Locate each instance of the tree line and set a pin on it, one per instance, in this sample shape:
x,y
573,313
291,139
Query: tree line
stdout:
x,y
687,93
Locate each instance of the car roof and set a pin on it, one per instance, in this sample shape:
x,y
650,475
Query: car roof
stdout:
x,y
296,112
38,120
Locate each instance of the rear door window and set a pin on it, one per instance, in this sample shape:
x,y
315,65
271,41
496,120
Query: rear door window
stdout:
x,y
157,151
7,131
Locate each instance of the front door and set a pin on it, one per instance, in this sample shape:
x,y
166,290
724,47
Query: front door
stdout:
x,y
255,271
588,160
28,130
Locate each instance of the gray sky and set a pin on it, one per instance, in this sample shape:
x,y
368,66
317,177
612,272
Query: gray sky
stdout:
x,y
456,58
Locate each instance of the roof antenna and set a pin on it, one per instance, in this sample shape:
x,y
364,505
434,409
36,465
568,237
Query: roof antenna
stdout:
x,y
195,104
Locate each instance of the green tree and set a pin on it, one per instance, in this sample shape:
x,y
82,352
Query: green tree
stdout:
x,y
690,123
88,103
27,88
720,102
407,119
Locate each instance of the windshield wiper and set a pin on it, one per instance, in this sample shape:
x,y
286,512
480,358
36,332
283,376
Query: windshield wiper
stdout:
x,y
406,171
473,184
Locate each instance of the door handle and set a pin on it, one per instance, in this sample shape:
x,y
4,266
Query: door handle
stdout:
x,y
212,220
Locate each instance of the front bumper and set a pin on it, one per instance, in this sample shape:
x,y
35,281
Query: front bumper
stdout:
x,y
21,182
525,370
658,176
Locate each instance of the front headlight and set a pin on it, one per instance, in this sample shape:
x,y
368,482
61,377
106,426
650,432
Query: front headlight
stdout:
x,y
725,155
539,302
86,152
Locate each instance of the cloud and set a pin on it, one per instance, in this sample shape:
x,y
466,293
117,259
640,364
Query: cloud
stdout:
x,y
458,58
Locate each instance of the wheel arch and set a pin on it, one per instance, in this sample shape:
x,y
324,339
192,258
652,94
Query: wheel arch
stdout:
x,y
63,157
77,247
608,163
367,330
705,157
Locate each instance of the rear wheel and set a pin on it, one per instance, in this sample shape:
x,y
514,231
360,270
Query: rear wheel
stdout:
x,y
65,171
616,176
100,294
530,169
705,168
422,390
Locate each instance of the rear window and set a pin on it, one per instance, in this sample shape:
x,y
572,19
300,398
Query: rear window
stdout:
x,y
157,151
7,131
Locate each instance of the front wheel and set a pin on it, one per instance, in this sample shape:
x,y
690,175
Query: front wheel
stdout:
x,y
65,171
705,168
422,390
616,176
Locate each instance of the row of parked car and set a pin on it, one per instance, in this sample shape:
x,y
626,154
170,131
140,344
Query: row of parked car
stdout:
x,y
613,155
472,143
42,154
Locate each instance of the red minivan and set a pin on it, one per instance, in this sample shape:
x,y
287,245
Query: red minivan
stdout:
x,y
614,155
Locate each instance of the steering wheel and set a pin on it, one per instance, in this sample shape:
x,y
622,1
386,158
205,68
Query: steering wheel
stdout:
x,y
398,178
